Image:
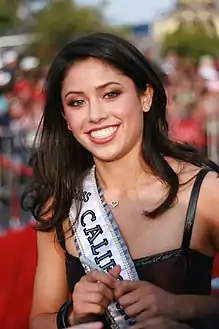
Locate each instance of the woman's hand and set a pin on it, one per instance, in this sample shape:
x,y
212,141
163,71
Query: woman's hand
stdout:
x,y
142,300
93,293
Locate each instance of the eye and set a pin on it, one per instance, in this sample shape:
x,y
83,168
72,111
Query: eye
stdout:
x,y
76,103
112,94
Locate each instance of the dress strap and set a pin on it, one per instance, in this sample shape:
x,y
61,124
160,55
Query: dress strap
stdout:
x,y
61,235
191,211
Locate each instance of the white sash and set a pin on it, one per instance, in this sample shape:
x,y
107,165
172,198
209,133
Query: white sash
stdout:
x,y
98,238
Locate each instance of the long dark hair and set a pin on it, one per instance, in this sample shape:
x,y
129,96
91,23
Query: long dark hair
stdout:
x,y
60,163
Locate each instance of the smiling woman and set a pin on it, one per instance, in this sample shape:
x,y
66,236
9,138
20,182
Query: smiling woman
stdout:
x,y
98,109
112,186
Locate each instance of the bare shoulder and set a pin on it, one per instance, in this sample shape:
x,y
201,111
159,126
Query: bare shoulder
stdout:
x,y
208,205
211,181
188,172
209,191
209,195
208,201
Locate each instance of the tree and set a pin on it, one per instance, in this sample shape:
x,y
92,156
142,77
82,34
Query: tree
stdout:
x,y
16,16
8,18
60,21
52,23
192,41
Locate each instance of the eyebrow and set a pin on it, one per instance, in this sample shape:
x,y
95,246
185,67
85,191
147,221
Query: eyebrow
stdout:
x,y
97,88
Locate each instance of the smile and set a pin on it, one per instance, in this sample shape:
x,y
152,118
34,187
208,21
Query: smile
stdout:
x,y
103,133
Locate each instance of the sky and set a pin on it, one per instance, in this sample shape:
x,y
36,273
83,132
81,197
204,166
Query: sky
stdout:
x,y
133,11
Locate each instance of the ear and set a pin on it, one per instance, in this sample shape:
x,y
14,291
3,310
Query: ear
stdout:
x,y
147,98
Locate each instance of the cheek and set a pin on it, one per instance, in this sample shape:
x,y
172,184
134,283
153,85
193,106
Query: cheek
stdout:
x,y
77,124
75,121
131,109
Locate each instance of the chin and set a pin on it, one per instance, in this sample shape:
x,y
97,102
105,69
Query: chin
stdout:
x,y
107,157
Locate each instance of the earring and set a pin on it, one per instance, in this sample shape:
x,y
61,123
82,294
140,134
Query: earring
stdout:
x,y
146,108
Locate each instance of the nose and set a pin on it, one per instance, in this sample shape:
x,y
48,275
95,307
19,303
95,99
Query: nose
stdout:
x,y
97,112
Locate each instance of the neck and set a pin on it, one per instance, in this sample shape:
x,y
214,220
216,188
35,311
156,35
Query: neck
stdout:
x,y
121,174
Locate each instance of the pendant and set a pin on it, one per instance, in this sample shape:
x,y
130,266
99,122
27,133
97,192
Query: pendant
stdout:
x,y
114,204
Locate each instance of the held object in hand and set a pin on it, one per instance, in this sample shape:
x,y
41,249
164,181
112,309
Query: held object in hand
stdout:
x,y
89,266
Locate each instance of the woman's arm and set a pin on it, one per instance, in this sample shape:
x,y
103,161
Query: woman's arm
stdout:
x,y
50,286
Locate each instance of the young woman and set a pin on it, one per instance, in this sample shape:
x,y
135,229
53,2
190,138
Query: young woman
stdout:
x,y
111,185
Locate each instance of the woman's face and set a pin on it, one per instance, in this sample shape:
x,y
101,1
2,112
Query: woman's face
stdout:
x,y
103,109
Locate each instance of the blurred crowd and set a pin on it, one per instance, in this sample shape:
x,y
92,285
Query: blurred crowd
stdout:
x,y
193,102
21,102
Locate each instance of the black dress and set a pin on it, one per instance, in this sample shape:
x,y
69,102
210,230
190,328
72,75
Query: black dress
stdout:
x,y
179,271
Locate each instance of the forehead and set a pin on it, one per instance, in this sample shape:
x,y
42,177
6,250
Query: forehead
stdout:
x,y
92,71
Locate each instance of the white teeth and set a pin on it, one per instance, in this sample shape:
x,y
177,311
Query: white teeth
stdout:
x,y
103,133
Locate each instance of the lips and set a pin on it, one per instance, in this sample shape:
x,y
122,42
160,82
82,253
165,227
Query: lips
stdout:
x,y
103,135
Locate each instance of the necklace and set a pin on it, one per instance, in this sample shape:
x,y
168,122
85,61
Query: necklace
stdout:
x,y
114,203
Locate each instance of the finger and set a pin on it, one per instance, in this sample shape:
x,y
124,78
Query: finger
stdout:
x,y
100,288
89,298
135,309
115,271
95,276
123,287
93,325
145,315
129,298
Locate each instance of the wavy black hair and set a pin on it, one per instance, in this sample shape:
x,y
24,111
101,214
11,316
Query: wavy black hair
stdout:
x,y
60,163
